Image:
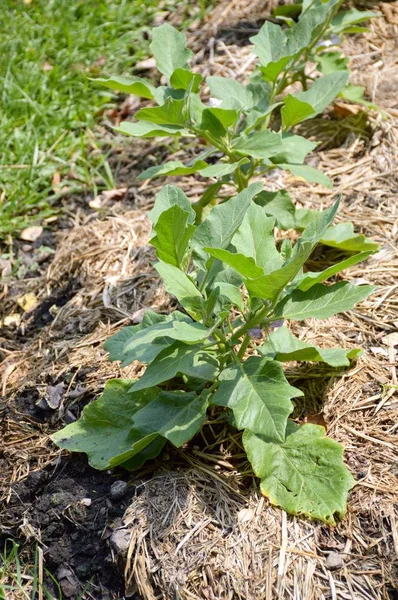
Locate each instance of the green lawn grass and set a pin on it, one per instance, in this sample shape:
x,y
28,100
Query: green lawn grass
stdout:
x,y
49,49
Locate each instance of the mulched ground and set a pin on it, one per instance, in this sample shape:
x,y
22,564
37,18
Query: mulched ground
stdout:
x,y
195,527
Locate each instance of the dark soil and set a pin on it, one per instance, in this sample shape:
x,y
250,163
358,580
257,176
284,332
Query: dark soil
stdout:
x,y
71,508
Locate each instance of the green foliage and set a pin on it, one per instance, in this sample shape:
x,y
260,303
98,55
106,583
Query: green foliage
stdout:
x,y
49,51
235,283
239,122
197,360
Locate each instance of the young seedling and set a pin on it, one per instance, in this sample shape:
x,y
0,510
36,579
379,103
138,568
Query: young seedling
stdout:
x,y
233,283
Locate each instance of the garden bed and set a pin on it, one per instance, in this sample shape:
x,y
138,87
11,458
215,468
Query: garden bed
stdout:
x,y
199,526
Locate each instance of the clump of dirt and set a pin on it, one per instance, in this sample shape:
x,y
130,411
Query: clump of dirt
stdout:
x,y
70,508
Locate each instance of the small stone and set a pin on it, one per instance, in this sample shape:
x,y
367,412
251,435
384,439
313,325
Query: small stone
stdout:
x,y
120,541
334,561
118,490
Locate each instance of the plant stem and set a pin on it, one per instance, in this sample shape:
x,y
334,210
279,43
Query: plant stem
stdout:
x,y
244,346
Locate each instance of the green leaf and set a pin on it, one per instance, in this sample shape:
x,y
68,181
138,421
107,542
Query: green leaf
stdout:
x,y
153,450
259,144
129,85
243,264
228,282
173,233
176,416
295,111
282,345
179,285
105,429
218,228
312,278
321,302
270,47
121,424
287,10
308,173
234,95
169,113
178,358
190,333
294,148
115,345
304,475
331,62
298,106
227,117
168,196
149,130
182,79
169,49
211,124
172,168
221,169
259,395
272,145
351,17
343,237
255,238
354,93
271,286
279,205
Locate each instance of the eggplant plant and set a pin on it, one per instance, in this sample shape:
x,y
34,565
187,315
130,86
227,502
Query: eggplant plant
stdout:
x,y
232,284
221,354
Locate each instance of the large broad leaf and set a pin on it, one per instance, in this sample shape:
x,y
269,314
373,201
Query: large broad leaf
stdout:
x,y
271,285
176,416
170,195
219,227
169,49
227,117
121,424
179,284
255,238
172,168
313,277
178,358
173,232
234,95
115,345
149,130
321,302
183,79
105,429
170,113
343,237
304,475
303,105
280,205
129,85
308,173
259,395
282,345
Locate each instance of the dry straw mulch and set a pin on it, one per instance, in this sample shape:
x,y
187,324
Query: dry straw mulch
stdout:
x,y
200,529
